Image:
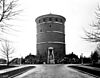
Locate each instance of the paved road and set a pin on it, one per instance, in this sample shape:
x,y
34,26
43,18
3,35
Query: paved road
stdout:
x,y
53,71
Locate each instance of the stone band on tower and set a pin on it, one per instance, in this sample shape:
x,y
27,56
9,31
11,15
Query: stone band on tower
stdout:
x,y
50,34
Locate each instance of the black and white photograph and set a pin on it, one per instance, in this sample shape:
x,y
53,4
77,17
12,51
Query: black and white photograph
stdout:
x,y
49,38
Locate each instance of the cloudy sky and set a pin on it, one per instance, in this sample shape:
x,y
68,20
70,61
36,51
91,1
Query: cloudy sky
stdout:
x,y
78,13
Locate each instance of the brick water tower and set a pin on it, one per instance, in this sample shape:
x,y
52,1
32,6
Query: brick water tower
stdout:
x,y
50,38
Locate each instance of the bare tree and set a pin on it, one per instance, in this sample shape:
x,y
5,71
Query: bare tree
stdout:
x,y
6,50
94,35
7,12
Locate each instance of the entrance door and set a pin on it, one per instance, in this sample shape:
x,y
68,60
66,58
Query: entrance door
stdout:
x,y
50,55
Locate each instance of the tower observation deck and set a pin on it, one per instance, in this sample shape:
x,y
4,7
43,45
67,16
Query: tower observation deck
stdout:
x,y
50,38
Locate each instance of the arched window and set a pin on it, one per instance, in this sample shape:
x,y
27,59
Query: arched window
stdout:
x,y
39,21
44,19
40,30
50,25
50,19
56,19
61,20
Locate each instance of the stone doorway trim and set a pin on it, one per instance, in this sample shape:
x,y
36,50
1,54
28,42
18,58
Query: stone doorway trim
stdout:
x,y
50,55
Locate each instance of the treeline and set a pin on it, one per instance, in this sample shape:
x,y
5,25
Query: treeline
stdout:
x,y
67,59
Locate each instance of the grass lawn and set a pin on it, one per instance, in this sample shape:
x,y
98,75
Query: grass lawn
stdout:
x,y
94,65
5,67
14,73
91,71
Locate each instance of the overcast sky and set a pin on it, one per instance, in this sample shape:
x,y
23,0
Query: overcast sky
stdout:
x,y
78,13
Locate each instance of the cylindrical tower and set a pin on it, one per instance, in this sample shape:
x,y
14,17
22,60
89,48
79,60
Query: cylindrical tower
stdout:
x,y
50,33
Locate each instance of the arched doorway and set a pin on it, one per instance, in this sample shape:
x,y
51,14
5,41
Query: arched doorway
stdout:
x,y
51,55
